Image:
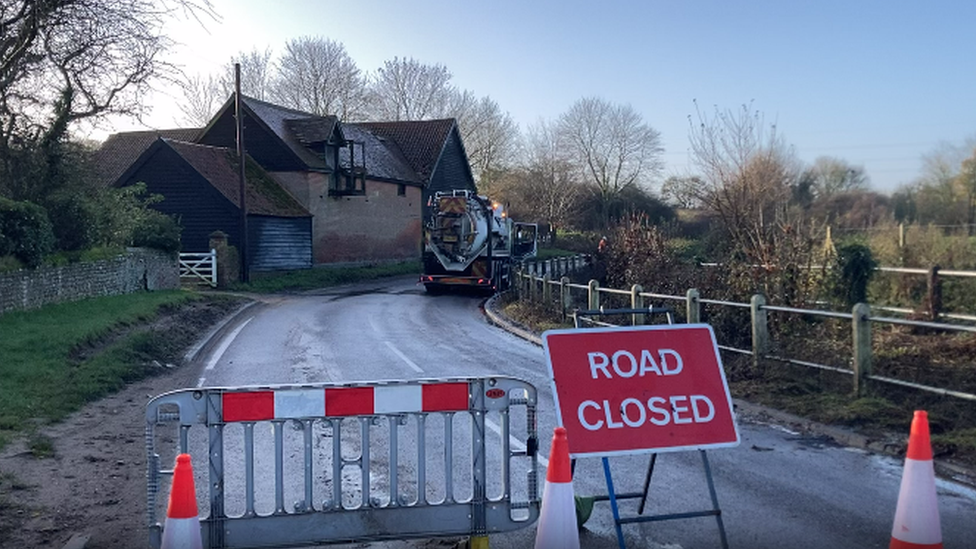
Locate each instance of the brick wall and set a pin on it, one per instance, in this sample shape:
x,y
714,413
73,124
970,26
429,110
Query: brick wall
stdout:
x,y
137,269
381,225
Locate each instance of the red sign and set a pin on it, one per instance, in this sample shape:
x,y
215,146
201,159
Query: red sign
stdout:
x,y
640,389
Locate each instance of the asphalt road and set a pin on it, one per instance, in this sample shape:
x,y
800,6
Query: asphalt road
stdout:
x,y
778,488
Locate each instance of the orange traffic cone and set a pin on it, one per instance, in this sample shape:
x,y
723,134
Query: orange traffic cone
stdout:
x,y
182,528
917,515
557,527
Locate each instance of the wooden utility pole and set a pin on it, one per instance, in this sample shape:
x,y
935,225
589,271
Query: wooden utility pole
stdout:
x,y
239,116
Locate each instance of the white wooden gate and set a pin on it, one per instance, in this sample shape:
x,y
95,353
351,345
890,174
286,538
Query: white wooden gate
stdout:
x,y
201,266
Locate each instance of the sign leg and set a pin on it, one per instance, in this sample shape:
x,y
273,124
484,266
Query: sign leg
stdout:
x,y
711,492
613,504
647,484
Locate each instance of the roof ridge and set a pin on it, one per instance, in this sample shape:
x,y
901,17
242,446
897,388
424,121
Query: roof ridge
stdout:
x,y
305,114
426,121
192,144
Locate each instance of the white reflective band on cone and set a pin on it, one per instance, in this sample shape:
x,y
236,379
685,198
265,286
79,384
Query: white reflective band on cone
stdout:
x,y
182,534
557,527
917,514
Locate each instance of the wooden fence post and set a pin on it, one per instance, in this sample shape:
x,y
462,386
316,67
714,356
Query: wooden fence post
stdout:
x,y
516,283
934,294
546,290
593,295
533,289
760,332
861,334
692,307
636,302
564,297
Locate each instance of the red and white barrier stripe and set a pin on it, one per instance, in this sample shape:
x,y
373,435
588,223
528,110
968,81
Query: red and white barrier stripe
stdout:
x,y
344,401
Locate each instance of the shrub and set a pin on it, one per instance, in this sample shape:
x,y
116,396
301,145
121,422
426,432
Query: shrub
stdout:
x,y
9,263
639,253
157,230
25,232
855,267
584,243
75,221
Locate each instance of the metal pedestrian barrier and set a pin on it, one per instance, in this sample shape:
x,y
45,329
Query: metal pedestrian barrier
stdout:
x,y
295,465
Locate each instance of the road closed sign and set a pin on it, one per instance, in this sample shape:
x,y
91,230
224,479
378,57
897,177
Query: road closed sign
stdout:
x,y
640,389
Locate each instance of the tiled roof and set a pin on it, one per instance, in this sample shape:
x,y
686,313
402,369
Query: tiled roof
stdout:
x,y
120,150
218,165
283,122
420,142
313,131
382,160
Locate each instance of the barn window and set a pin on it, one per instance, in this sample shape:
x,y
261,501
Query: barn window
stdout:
x,y
401,190
351,179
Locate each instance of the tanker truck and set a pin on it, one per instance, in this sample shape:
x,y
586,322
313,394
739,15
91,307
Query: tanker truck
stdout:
x,y
469,241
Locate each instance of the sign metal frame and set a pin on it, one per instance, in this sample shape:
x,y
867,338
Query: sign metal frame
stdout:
x,y
612,496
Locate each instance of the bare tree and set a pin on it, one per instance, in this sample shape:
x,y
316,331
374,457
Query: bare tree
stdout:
x,y
407,89
683,192
66,61
748,174
746,168
202,96
610,146
554,182
317,75
829,176
942,163
966,180
257,74
943,194
490,137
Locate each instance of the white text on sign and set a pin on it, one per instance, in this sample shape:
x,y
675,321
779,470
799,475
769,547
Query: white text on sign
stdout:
x,y
683,409
634,412
625,364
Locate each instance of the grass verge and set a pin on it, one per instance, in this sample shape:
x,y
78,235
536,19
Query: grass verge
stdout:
x,y
321,277
55,359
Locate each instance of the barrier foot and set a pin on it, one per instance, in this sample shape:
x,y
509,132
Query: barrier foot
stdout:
x,y
478,542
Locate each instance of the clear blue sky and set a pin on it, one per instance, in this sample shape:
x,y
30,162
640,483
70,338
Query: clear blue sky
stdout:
x,y
876,83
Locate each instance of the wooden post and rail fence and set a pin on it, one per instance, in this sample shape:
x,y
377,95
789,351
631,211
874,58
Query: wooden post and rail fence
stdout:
x,y
540,281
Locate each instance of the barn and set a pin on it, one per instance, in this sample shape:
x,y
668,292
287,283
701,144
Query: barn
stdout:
x,y
348,192
200,187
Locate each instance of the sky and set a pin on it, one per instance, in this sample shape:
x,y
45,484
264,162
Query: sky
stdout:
x,y
878,84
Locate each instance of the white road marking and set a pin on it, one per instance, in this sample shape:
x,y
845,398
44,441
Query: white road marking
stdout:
x,y
221,349
404,358
518,444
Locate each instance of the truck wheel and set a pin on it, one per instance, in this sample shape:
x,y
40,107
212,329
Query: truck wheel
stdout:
x,y
434,289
